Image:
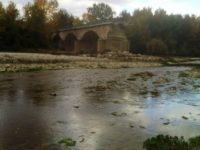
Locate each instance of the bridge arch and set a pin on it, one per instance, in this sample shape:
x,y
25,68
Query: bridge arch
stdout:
x,y
83,32
56,40
89,42
69,43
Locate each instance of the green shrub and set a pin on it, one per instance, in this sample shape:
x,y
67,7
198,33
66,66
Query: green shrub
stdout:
x,y
195,142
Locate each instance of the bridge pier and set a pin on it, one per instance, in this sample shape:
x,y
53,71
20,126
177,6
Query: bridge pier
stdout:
x,y
77,46
101,45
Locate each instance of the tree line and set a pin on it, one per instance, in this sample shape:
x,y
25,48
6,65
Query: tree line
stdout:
x,y
161,34
33,29
153,33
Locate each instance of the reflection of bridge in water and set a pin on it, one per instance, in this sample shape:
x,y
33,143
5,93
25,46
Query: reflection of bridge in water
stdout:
x,y
96,38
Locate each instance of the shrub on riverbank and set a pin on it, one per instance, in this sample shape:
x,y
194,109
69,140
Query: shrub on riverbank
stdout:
x,y
166,142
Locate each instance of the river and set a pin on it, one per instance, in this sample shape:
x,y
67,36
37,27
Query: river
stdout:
x,y
101,109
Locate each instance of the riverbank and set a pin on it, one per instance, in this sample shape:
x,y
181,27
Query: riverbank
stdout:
x,y
17,62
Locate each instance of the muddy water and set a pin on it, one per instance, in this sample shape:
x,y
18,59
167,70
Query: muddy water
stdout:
x,y
100,109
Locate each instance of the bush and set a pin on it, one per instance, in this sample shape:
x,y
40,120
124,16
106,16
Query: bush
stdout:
x,y
166,142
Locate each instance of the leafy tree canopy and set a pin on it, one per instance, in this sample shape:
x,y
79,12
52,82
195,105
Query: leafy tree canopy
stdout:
x,y
98,12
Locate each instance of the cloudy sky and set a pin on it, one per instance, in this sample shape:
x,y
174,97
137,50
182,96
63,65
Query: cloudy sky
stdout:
x,y
77,7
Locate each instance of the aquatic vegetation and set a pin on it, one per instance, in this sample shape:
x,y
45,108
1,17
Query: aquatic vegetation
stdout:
x,y
194,73
173,90
97,88
67,142
116,101
131,125
53,94
77,106
132,79
166,123
161,80
196,86
184,75
117,114
166,142
184,117
61,122
144,75
155,93
142,127
120,101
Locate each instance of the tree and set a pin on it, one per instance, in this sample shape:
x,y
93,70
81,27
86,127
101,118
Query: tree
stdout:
x,y
9,34
139,31
124,17
2,16
35,26
156,47
98,12
2,28
38,17
1,9
77,21
48,6
11,12
62,19
35,17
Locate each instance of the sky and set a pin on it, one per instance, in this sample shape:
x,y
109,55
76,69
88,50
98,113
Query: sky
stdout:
x,y
78,7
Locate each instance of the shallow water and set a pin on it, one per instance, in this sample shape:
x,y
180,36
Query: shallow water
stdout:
x,y
100,109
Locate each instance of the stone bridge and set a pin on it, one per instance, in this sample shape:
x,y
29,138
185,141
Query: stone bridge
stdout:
x,y
92,39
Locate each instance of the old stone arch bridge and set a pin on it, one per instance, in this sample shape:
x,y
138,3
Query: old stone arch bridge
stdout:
x,y
92,39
